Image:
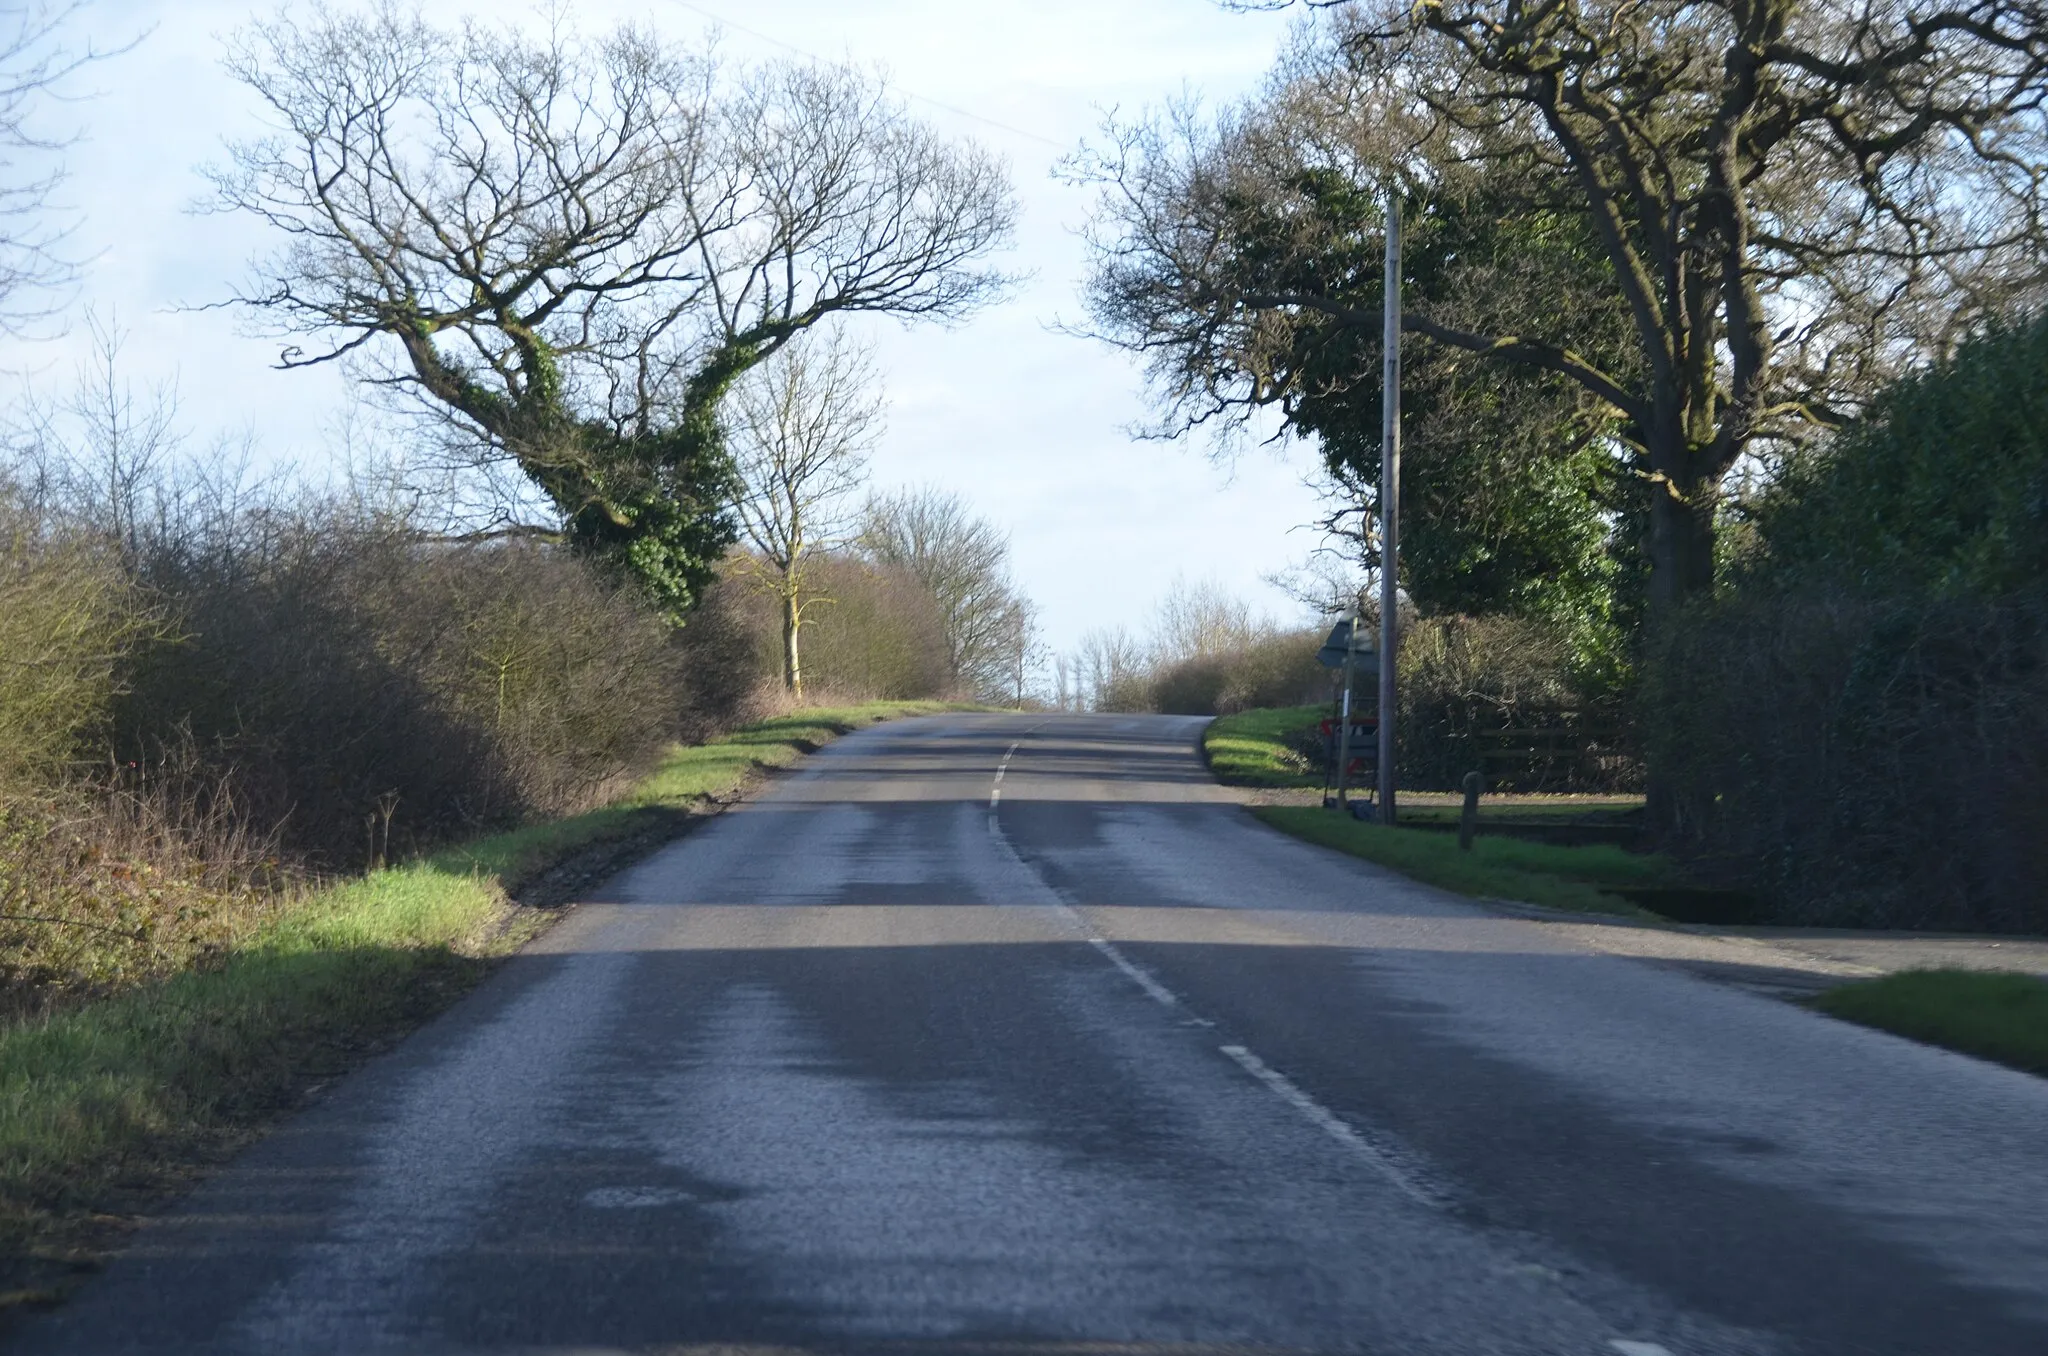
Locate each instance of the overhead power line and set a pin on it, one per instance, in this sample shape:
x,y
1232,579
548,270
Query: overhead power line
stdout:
x,y
724,22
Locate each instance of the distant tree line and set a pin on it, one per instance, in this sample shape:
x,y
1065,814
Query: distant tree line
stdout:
x,y
1205,652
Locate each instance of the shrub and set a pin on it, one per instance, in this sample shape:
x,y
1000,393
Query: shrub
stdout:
x,y
574,683
209,694
1863,762
371,690
720,649
1501,694
1193,687
1942,489
1859,731
109,873
68,615
1276,668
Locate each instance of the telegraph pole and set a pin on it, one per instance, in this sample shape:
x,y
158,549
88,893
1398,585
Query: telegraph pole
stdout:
x,y
1344,707
1390,506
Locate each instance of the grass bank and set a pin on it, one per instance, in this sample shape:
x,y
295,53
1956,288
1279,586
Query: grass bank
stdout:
x,y
1990,1014
1257,748
1575,878
106,1105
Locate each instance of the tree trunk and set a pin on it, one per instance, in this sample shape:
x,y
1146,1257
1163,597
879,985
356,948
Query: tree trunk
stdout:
x,y
1681,547
792,665
1681,552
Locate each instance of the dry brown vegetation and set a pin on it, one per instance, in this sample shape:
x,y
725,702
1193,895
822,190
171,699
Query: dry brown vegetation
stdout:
x,y
1205,653
209,700
111,882
206,704
374,692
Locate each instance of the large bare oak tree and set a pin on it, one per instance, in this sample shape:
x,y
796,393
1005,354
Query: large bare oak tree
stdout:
x,y
1794,198
570,248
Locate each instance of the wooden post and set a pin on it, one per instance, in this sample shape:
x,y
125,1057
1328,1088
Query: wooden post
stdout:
x,y
1468,818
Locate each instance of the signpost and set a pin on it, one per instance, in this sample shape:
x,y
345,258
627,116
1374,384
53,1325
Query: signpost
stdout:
x,y
1342,650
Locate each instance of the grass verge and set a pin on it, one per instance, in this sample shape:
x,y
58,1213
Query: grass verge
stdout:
x,y
1573,878
106,1105
1991,1014
1256,748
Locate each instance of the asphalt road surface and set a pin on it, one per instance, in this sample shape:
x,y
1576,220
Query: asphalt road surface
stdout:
x,y
1009,1035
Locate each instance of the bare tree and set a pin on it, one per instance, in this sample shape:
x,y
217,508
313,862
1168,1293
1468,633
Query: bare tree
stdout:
x,y
1792,199
36,59
1203,619
1065,672
1115,671
1022,650
803,424
965,561
102,456
569,249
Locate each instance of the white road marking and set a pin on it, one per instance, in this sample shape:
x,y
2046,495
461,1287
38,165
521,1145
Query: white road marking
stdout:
x,y
995,795
1140,976
1327,1121
1627,1348
1154,990
1382,1161
636,1198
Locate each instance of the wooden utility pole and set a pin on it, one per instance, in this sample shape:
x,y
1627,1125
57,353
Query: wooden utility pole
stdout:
x,y
1390,508
1344,707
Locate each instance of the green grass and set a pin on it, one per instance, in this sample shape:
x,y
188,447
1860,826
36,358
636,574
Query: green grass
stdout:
x,y
1573,878
1990,1014
1252,748
127,1093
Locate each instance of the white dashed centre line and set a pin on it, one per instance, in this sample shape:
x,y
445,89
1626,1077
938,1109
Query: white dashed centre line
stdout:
x,y
1327,1121
1319,1115
1388,1164
1156,991
995,795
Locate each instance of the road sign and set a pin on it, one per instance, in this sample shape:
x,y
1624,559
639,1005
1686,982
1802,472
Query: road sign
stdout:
x,y
1365,658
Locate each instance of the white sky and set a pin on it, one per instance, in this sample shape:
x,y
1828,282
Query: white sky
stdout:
x,y
1029,424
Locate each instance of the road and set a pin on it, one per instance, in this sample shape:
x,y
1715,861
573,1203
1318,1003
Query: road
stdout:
x,y
1010,1035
